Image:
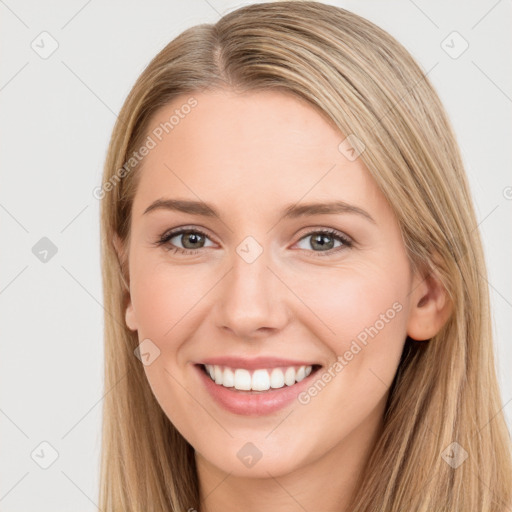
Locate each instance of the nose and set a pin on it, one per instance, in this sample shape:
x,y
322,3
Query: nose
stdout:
x,y
251,300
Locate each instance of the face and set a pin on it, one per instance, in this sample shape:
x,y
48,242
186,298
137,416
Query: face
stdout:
x,y
243,273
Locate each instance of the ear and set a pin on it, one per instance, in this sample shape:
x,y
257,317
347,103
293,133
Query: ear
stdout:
x,y
121,256
430,307
129,317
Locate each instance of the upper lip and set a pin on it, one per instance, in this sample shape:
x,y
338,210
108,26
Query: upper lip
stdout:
x,y
254,363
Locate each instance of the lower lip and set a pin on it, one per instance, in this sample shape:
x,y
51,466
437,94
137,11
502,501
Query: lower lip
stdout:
x,y
253,403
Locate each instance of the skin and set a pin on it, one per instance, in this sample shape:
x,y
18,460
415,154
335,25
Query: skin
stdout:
x,y
250,155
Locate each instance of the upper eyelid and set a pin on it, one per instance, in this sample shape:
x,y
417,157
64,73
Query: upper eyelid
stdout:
x,y
331,231
171,233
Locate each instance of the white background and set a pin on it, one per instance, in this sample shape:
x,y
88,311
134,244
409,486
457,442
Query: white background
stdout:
x,y
56,120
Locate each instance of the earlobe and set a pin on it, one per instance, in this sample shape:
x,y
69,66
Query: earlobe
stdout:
x,y
430,307
130,317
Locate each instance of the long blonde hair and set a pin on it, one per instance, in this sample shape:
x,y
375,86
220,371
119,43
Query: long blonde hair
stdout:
x,y
445,390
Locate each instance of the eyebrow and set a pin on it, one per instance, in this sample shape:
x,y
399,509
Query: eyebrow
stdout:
x,y
290,212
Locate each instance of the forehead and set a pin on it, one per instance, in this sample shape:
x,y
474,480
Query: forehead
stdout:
x,y
254,148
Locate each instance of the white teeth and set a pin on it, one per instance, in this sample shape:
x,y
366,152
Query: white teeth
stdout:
x,y
242,379
289,376
301,373
276,378
228,379
260,380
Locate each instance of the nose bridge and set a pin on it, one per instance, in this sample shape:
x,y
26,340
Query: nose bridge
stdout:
x,y
251,298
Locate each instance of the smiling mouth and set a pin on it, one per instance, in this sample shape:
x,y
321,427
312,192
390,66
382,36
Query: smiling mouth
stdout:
x,y
259,380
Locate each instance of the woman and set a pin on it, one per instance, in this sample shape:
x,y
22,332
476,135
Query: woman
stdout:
x,y
293,280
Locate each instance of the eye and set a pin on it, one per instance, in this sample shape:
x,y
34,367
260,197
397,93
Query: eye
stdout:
x,y
191,240
324,240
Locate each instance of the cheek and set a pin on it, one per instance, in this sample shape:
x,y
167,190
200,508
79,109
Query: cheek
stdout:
x,y
356,304
366,310
163,302
168,304
163,297
364,323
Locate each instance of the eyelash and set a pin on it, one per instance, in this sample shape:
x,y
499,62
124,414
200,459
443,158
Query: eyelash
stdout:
x,y
165,237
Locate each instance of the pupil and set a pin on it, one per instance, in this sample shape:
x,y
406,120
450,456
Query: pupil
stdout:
x,y
320,240
192,238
